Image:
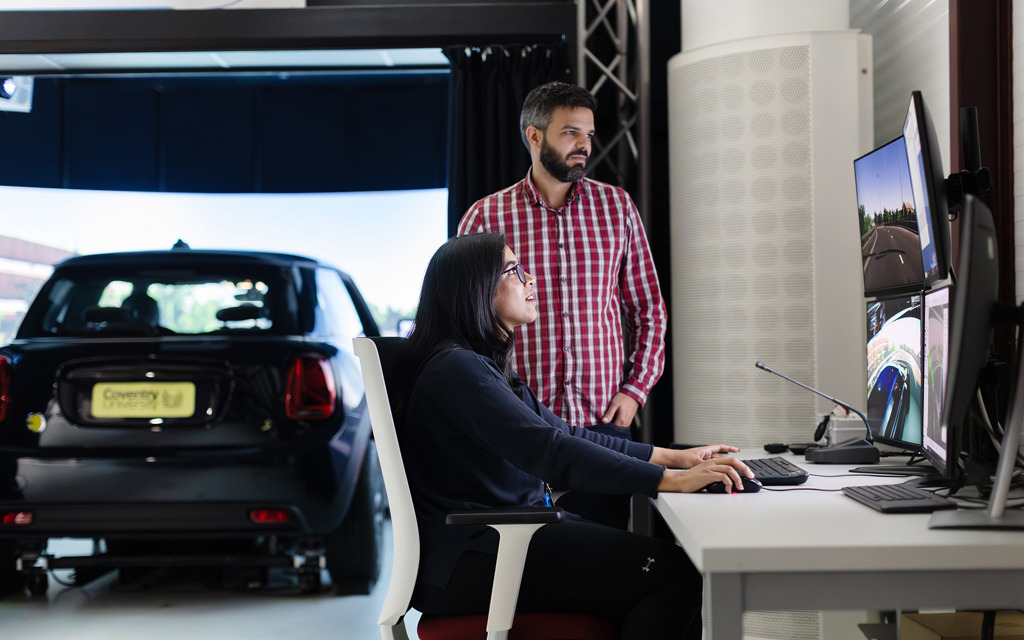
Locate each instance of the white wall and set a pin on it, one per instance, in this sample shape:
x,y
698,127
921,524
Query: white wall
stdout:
x,y
911,51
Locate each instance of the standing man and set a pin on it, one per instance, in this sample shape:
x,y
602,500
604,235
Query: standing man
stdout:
x,y
585,243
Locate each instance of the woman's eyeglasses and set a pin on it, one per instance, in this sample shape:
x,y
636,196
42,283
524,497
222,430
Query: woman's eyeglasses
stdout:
x,y
520,272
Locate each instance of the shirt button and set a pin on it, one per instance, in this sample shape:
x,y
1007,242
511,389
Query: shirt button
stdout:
x,y
565,349
565,314
563,279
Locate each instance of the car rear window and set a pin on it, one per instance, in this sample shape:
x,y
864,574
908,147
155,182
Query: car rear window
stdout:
x,y
152,304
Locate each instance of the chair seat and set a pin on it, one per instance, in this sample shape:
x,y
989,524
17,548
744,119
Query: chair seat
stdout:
x,y
526,626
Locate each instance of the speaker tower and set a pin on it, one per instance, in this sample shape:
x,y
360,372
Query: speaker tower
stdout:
x,y
765,258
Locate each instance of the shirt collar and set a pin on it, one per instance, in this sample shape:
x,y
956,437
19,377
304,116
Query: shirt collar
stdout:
x,y
581,188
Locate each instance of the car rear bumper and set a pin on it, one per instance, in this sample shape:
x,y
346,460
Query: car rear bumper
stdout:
x,y
99,498
181,520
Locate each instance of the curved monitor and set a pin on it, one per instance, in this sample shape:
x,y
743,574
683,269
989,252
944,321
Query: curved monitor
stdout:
x,y
928,182
972,304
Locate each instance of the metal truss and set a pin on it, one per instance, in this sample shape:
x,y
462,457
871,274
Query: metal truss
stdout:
x,y
613,63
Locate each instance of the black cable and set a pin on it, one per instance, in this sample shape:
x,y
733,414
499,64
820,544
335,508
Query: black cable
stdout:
x,y
819,432
799,488
988,625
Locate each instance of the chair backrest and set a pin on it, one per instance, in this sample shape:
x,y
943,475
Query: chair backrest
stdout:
x,y
376,358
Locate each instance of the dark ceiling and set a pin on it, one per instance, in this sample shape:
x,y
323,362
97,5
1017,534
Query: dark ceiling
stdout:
x,y
323,25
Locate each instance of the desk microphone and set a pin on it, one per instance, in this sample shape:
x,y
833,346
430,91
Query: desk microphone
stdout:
x,y
850,452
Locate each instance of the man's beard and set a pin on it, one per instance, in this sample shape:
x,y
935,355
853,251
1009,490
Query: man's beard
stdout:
x,y
557,166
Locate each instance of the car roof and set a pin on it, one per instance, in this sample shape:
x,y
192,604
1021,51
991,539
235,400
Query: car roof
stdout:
x,y
160,258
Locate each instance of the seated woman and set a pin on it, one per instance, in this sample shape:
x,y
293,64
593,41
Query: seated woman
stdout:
x,y
474,435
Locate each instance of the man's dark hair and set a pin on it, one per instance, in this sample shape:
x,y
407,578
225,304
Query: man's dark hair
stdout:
x,y
543,100
456,308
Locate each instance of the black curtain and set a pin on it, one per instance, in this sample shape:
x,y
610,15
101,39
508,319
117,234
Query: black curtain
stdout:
x,y
230,133
486,92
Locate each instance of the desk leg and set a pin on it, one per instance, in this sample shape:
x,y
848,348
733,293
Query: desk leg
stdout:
x,y
723,606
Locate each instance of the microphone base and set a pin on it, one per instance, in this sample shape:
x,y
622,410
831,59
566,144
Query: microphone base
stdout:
x,y
853,452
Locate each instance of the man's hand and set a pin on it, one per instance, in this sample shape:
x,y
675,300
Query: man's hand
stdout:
x,y
621,410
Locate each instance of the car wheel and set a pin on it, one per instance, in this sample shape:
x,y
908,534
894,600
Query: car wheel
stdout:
x,y
354,549
11,580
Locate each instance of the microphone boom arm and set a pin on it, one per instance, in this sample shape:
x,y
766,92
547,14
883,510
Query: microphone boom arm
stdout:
x,y
761,365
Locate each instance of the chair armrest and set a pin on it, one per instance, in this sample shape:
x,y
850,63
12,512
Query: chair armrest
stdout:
x,y
515,528
522,515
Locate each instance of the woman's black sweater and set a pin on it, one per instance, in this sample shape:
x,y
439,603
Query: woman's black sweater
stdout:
x,y
470,440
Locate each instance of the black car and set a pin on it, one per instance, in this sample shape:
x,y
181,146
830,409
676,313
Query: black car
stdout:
x,y
187,407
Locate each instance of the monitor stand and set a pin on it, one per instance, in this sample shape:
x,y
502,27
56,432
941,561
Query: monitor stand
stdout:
x,y
921,475
976,519
897,470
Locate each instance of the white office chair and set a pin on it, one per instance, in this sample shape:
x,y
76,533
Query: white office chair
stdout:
x,y
515,528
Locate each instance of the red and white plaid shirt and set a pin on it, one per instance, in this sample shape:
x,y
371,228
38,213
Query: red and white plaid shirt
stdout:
x,y
594,270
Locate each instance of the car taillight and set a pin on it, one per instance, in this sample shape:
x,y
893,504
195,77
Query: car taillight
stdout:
x,y
5,387
18,518
269,516
309,390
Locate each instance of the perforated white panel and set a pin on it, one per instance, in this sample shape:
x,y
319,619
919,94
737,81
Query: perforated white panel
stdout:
x,y
743,253
782,625
766,253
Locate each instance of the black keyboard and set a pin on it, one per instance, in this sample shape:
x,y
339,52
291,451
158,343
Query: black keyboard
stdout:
x,y
898,498
775,471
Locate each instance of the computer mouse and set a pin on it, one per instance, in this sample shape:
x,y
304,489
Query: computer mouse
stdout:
x,y
749,486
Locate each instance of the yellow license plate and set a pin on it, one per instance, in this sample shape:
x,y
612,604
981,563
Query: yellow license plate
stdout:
x,y
143,399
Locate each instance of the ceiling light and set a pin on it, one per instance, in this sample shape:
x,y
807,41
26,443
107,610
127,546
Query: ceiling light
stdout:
x,y
16,92
7,87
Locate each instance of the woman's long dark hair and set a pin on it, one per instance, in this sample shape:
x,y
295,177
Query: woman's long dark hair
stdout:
x,y
456,308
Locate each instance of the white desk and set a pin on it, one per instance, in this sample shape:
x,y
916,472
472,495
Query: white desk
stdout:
x,y
809,550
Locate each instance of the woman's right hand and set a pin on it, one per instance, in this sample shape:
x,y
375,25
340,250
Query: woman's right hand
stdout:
x,y
729,470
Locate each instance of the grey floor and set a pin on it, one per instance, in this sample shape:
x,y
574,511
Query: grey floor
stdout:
x,y
189,605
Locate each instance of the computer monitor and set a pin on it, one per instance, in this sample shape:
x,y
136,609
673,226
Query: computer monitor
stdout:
x,y
928,182
889,235
894,370
971,321
971,311
936,349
